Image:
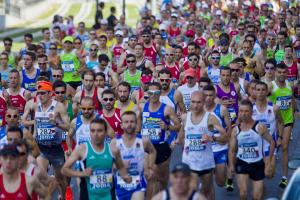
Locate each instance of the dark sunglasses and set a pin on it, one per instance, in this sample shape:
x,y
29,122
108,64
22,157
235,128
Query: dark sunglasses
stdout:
x,y
52,48
87,108
7,44
12,116
108,99
93,49
42,63
56,76
165,80
60,92
169,54
41,93
130,61
195,59
235,70
215,58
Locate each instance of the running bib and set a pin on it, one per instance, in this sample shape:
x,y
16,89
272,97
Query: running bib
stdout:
x,y
247,151
284,103
263,121
83,139
195,142
68,66
100,179
64,135
153,134
136,180
45,130
232,114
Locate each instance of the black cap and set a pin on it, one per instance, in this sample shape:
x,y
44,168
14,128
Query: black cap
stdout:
x,y
9,149
132,37
181,167
146,32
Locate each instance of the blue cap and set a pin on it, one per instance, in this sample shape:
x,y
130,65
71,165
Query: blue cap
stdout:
x,y
181,167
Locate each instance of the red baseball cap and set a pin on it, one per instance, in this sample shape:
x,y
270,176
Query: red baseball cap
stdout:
x,y
146,78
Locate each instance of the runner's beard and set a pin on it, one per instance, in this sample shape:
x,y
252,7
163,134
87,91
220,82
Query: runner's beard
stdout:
x,y
123,99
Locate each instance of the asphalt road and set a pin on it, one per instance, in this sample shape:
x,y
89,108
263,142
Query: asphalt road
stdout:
x,y
271,185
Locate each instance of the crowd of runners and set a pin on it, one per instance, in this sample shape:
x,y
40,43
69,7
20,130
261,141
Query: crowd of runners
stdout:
x,y
106,106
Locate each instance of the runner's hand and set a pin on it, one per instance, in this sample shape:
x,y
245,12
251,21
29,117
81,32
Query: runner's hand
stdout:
x,y
87,172
231,171
127,178
69,152
162,125
279,141
206,138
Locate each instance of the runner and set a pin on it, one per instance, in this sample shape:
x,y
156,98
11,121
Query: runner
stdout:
x,y
132,75
50,121
189,87
157,122
237,80
169,95
246,152
70,63
140,96
267,113
220,150
14,184
228,94
180,178
172,66
29,74
149,47
15,95
132,41
124,103
282,96
88,89
133,149
91,61
12,56
197,141
98,158
109,113
269,66
213,70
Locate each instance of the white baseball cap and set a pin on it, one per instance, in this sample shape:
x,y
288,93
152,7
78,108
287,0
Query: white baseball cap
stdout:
x,y
219,12
119,32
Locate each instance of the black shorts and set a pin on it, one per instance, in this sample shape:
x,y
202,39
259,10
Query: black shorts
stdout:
x,y
163,152
289,124
74,84
202,172
256,171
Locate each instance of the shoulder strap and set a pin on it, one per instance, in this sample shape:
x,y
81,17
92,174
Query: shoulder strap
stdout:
x,y
168,197
192,195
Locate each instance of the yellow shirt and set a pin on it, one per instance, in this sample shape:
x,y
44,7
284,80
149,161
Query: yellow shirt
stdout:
x,y
112,42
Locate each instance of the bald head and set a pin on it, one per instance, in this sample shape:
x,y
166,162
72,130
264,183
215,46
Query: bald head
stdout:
x,y
197,95
170,50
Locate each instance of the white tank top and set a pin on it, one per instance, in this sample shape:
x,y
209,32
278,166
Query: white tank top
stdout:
x,y
82,133
30,169
187,93
197,154
250,145
242,86
268,118
133,158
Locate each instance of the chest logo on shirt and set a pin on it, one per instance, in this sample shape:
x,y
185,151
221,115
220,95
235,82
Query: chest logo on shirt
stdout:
x,y
232,93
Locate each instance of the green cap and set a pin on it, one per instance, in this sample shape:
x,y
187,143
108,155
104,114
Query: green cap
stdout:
x,y
68,39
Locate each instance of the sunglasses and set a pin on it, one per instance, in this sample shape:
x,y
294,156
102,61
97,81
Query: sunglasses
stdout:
x,y
130,61
235,70
108,99
12,116
22,153
189,77
93,33
169,54
56,76
146,97
153,92
195,59
60,92
87,108
269,68
93,49
42,63
7,44
146,36
41,93
241,29
215,58
165,80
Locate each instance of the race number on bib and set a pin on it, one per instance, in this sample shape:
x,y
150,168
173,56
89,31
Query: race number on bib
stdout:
x,y
136,180
248,151
284,103
196,143
153,134
100,180
68,66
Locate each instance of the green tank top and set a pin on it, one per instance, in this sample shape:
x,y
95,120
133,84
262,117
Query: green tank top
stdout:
x,y
226,60
100,182
11,60
70,64
279,55
282,97
133,80
70,110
